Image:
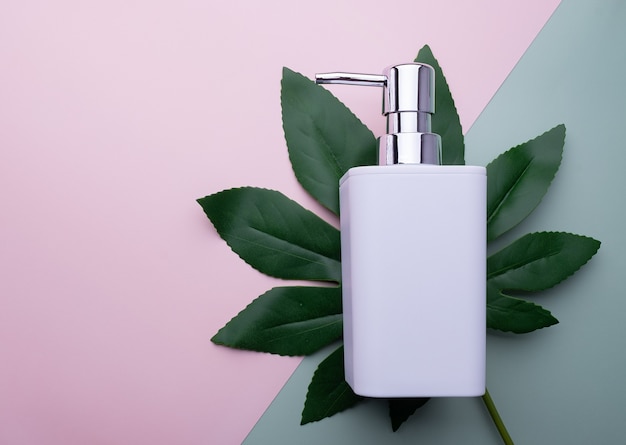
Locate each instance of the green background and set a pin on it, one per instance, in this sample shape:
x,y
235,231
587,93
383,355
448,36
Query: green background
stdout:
x,y
564,384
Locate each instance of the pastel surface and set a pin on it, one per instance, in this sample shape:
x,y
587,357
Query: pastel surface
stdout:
x,y
562,385
114,118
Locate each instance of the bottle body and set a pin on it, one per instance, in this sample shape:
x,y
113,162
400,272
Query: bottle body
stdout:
x,y
414,270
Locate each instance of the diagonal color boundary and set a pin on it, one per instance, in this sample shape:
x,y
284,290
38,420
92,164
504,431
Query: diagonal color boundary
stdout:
x,y
536,79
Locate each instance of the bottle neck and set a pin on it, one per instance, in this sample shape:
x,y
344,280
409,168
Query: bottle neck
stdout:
x,y
409,148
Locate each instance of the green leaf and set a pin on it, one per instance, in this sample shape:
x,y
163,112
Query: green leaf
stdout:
x,y
534,262
518,179
274,234
323,136
328,391
401,409
538,261
509,314
286,321
445,121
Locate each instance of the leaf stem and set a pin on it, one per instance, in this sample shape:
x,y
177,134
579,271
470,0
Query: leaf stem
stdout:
x,y
497,420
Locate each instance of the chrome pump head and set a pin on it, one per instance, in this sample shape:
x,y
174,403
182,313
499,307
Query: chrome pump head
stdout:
x,y
408,103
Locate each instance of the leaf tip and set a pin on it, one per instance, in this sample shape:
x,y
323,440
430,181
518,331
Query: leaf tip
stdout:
x,y
216,339
596,243
401,409
425,51
560,131
202,200
286,71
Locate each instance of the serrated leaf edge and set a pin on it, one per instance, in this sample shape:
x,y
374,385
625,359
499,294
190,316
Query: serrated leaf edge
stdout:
x,y
492,277
226,239
214,339
517,147
326,415
502,294
395,427
328,153
453,107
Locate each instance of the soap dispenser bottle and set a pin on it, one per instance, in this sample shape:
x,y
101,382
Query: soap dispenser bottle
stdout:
x,y
413,247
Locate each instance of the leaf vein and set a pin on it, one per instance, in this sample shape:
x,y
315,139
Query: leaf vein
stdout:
x,y
522,263
509,191
316,328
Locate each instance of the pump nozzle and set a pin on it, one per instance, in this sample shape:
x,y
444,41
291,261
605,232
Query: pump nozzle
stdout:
x,y
366,80
408,102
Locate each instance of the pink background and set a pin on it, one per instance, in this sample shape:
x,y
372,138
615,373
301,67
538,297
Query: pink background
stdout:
x,y
114,117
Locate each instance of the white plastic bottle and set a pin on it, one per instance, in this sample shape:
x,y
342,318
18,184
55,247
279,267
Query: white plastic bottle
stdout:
x,y
413,254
